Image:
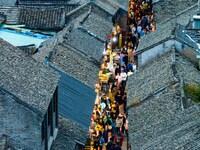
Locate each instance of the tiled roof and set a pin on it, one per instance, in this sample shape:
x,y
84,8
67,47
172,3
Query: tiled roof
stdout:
x,y
98,23
159,119
66,7
159,73
41,1
164,30
121,3
71,62
87,30
84,42
164,10
108,6
70,132
145,82
37,18
22,76
50,2
11,13
8,2
18,122
156,37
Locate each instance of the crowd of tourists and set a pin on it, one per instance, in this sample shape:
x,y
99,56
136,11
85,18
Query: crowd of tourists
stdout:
x,y
109,121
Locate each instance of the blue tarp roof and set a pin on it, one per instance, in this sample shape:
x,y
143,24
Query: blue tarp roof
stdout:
x,y
75,99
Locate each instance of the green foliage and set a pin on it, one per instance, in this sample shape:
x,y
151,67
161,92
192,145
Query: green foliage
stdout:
x,y
193,91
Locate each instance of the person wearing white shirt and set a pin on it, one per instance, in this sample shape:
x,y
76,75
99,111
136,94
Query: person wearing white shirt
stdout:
x,y
123,76
118,79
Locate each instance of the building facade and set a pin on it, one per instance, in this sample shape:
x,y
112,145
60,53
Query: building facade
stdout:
x,y
28,100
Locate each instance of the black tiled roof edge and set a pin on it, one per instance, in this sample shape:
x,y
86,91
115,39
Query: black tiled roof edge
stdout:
x,y
41,1
178,36
153,45
29,23
45,5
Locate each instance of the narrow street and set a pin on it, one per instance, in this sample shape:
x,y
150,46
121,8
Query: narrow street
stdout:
x,y
109,122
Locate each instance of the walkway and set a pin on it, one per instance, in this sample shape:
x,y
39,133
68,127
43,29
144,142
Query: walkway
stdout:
x,y
109,122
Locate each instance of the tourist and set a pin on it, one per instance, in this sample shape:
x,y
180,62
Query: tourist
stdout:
x,y
118,122
130,66
123,76
110,144
118,139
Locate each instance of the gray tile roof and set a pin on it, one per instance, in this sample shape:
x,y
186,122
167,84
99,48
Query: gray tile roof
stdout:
x,y
76,65
158,125
109,6
75,83
86,30
21,124
46,18
159,119
112,6
89,17
163,31
159,73
164,10
157,37
93,22
87,44
75,16
187,69
31,82
11,13
80,2
145,82
8,2
66,7
42,1
68,133
121,3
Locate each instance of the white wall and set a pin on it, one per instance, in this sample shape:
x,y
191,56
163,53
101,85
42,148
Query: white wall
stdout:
x,y
158,50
